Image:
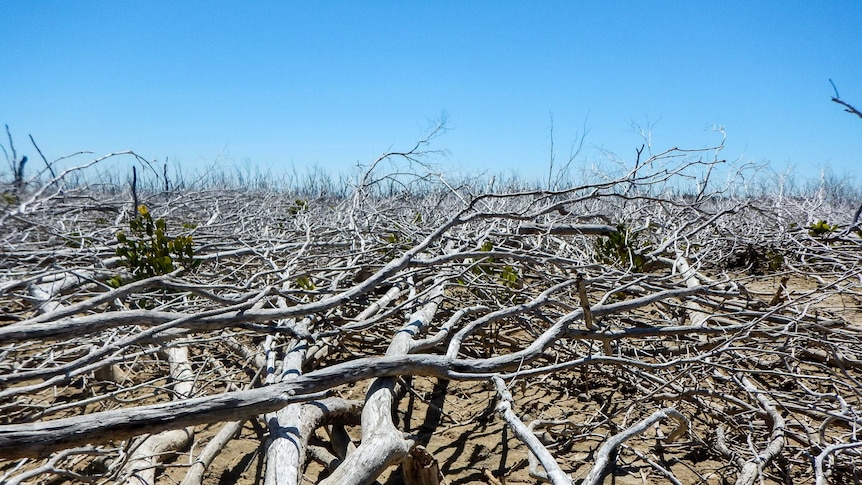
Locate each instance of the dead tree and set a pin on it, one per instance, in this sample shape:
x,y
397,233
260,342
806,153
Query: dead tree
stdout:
x,y
433,333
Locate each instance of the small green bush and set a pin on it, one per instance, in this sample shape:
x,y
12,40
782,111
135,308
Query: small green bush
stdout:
x,y
622,248
394,244
305,283
821,228
506,275
509,276
299,205
775,260
148,251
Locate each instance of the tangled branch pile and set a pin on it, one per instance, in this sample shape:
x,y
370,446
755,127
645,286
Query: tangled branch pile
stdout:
x,y
433,335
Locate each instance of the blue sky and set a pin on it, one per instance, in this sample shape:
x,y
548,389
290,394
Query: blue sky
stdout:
x,y
277,85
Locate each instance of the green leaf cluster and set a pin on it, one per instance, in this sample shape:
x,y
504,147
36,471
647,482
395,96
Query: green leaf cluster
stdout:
x,y
622,248
75,240
774,260
299,205
305,283
507,275
395,244
148,251
821,228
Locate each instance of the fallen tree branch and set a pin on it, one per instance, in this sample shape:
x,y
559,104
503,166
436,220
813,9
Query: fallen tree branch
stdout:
x,y
608,448
553,472
752,468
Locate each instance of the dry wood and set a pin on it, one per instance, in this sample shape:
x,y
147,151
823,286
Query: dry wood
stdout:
x,y
420,468
609,447
552,473
719,302
140,469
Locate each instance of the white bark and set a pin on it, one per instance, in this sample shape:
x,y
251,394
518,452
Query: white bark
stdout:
x,y
553,472
141,466
517,303
607,450
285,455
195,474
697,314
752,468
382,443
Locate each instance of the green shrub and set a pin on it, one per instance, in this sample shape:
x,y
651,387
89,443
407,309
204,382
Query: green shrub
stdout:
x,y
623,249
509,276
506,275
774,260
821,228
395,243
305,283
148,251
299,205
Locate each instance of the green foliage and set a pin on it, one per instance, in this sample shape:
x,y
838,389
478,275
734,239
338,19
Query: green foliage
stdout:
x,y
396,243
299,205
507,275
393,244
759,259
115,281
8,198
622,248
821,228
487,268
305,283
774,260
76,240
148,251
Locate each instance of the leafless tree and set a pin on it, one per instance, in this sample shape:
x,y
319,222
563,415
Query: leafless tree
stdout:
x,y
847,106
653,323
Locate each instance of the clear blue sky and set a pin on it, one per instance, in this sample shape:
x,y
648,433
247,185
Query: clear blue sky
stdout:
x,y
332,84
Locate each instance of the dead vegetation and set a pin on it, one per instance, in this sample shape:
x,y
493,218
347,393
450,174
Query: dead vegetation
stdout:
x,y
430,333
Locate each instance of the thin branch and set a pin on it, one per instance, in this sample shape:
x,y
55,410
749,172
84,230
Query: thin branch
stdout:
x,y
47,163
848,108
